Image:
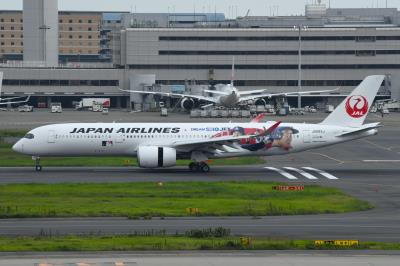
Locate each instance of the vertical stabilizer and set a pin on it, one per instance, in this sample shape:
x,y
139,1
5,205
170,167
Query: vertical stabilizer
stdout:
x,y
354,109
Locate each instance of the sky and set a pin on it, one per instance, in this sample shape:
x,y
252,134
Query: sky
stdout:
x,y
231,8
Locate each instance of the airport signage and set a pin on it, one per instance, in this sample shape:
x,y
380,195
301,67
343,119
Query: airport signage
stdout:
x,y
343,243
288,188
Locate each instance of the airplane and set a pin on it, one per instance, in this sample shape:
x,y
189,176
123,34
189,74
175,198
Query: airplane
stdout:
x,y
226,95
13,100
158,145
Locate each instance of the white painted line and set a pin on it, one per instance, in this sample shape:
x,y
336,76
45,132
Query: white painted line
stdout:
x,y
284,173
329,157
305,174
381,161
323,173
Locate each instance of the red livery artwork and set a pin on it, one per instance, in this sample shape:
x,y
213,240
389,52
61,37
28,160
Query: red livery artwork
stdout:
x,y
357,106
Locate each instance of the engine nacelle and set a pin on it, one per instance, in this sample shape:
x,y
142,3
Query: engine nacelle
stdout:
x,y
261,102
156,157
187,103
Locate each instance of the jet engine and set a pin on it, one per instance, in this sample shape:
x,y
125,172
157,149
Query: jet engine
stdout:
x,y
155,157
261,102
187,103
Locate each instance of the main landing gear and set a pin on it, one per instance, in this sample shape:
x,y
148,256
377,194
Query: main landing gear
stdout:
x,y
38,167
199,167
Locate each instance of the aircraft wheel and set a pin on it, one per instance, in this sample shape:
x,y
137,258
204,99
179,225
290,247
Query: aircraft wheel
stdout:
x,y
194,167
38,168
205,168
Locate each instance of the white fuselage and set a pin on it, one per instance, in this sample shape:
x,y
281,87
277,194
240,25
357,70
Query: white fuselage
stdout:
x,y
232,97
123,139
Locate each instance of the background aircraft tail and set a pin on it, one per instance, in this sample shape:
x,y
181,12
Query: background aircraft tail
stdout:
x,y
354,109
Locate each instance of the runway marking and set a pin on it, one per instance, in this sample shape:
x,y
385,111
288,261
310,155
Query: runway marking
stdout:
x,y
329,157
376,145
284,173
323,173
303,173
381,161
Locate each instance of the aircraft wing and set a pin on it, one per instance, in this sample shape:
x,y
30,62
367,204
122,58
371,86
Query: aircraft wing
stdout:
x,y
210,145
7,100
221,143
270,95
252,92
174,95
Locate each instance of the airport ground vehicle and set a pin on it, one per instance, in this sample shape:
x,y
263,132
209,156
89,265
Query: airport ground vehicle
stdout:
x,y
161,144
56,108
25,108
92,104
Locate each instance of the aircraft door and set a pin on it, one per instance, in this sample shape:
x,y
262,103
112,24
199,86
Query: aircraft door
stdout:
x,y
306,136
51,137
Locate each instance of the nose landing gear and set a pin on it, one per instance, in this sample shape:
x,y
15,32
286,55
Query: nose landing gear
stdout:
x,y
199,167
38,167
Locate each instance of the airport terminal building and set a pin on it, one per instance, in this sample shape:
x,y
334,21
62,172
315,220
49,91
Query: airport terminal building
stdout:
x,y
326,48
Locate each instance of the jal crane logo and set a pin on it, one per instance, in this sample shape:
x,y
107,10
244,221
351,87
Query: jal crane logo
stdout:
x,y
357,106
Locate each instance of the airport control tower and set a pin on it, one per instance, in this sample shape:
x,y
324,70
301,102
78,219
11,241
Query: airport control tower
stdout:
x,y
40,22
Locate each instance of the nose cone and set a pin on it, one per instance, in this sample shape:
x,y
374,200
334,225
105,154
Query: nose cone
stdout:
x,y
18,147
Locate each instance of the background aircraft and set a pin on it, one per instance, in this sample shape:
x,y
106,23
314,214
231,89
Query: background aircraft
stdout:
x,y
161,144
226,95
13,100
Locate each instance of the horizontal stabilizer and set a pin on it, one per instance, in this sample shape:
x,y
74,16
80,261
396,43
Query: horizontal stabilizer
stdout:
x,y
360,130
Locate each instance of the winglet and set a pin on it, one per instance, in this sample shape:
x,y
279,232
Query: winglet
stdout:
x,y
258,118
271,129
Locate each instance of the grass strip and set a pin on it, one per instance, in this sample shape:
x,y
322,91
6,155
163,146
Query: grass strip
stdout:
x,y
148,200
143,243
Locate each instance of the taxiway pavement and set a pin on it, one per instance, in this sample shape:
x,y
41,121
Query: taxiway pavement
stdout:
x,y
220,258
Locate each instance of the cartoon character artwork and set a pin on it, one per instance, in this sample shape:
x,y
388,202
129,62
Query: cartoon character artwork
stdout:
x,y
281,137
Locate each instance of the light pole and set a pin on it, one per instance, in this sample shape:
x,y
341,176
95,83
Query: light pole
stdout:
x,y
299,28
44,28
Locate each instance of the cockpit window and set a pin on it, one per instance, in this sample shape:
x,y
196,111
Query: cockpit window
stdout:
x,y
29,136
